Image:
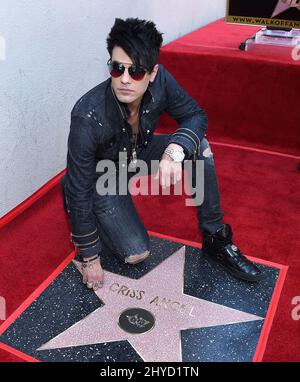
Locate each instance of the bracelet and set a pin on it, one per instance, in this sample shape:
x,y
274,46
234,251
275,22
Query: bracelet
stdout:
x,y
85,263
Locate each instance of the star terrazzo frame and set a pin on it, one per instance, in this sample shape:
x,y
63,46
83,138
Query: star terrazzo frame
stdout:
x,y
264,332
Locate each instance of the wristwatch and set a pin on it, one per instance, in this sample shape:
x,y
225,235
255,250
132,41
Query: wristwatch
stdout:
x,y
176,154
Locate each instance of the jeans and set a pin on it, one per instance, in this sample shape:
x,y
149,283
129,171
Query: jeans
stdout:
x,y
120,228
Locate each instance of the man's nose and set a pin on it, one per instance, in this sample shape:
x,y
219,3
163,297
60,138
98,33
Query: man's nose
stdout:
x,y
125,78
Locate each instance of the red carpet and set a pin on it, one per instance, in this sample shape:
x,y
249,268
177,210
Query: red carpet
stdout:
x,y
5,356
260,196
248,101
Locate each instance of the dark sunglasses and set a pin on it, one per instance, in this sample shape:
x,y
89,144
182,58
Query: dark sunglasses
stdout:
x,y
116,69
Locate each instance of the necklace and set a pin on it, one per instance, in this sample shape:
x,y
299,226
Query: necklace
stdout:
x,y
134,155
135,135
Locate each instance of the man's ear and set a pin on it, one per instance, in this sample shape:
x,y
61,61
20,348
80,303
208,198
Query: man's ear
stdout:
x,y
154,73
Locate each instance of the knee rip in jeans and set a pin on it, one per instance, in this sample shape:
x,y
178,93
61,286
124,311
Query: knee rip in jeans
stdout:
x,y
135,259
207,153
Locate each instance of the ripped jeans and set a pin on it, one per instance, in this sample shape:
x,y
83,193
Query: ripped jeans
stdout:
x,y
120,228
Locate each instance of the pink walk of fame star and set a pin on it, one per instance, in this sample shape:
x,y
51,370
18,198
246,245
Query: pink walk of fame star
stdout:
x,y
160,292
283,5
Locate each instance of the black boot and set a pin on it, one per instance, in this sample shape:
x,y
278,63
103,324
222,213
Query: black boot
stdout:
x,y
219,248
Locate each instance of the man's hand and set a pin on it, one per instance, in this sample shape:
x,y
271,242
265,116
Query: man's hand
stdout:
x,y
92,274
169,172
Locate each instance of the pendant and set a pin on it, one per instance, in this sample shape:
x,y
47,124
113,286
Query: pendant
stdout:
x,y
134,158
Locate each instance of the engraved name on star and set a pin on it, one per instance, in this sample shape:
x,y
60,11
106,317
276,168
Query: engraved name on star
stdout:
x,y
160,292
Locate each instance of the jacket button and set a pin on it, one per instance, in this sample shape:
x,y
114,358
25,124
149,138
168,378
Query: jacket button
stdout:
x,y
124,149
148,131
146,142
124,129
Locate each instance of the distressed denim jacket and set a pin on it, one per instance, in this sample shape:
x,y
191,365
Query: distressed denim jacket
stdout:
x,y
99,130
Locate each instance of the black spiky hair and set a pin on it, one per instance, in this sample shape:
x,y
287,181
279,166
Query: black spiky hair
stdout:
x,y
138,38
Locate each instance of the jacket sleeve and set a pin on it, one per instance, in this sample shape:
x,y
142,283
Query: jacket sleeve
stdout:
x,y
191,118
79,186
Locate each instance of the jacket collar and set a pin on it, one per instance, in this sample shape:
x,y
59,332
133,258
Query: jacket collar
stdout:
x,y
123,107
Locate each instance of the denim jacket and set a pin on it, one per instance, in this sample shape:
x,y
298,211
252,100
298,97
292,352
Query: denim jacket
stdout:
x,y
99,130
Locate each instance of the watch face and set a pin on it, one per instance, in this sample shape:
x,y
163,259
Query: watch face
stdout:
x,y
178,156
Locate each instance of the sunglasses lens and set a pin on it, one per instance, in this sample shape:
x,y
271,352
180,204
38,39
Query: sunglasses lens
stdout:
x,y
136,73
116,69
115,73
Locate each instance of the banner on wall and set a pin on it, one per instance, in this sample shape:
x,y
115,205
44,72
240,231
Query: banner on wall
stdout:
x,y
272,13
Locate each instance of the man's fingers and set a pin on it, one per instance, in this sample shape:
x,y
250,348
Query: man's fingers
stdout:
x,y
97,285
164,180
94,284
168,175
178,176
93,276
90,284
168,180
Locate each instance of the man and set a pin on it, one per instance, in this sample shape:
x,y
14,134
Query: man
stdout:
x,y
120,115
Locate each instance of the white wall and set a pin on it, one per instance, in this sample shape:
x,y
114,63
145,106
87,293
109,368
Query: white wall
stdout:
x,y
51,52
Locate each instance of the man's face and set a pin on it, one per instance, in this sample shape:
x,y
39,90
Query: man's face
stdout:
x,y
126,89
